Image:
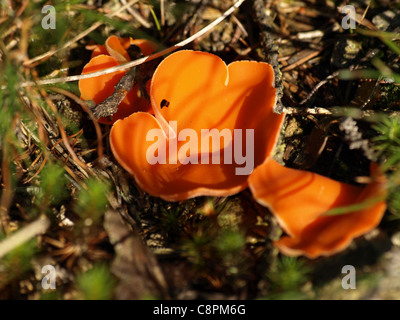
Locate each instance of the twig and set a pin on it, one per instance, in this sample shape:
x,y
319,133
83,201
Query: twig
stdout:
x,y
270,47
368,56
136,15
110,105
139,74
23,235
39,170
304,111
319,85
303,60
355,113
162,10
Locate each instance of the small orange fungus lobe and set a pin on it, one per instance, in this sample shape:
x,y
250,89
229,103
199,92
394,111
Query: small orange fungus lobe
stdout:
x,y
301,202
97,89
211,122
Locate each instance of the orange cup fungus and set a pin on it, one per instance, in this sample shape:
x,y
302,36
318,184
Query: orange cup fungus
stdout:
x,y
207,115
301,202
97,89
212,125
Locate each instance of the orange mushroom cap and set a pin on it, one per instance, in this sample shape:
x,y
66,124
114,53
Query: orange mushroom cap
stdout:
x,y
147,47
197,91
99,88
300,201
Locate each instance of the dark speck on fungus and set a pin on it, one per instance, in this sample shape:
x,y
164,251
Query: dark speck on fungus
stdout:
x,y
164,103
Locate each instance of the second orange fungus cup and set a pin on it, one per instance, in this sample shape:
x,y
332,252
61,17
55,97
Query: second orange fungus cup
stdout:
x,y
302,202
111,54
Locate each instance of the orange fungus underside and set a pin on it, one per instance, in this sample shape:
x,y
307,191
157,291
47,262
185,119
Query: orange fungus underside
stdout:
x,y
300,201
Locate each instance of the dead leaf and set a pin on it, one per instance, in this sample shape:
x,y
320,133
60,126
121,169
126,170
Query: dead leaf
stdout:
x,y
135,266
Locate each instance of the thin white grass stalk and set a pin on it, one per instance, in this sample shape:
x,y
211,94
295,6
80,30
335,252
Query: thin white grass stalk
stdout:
x,y
162,10
23,235
141,60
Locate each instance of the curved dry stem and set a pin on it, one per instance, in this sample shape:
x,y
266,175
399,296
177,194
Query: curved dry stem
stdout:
x,y
100,149
63,133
